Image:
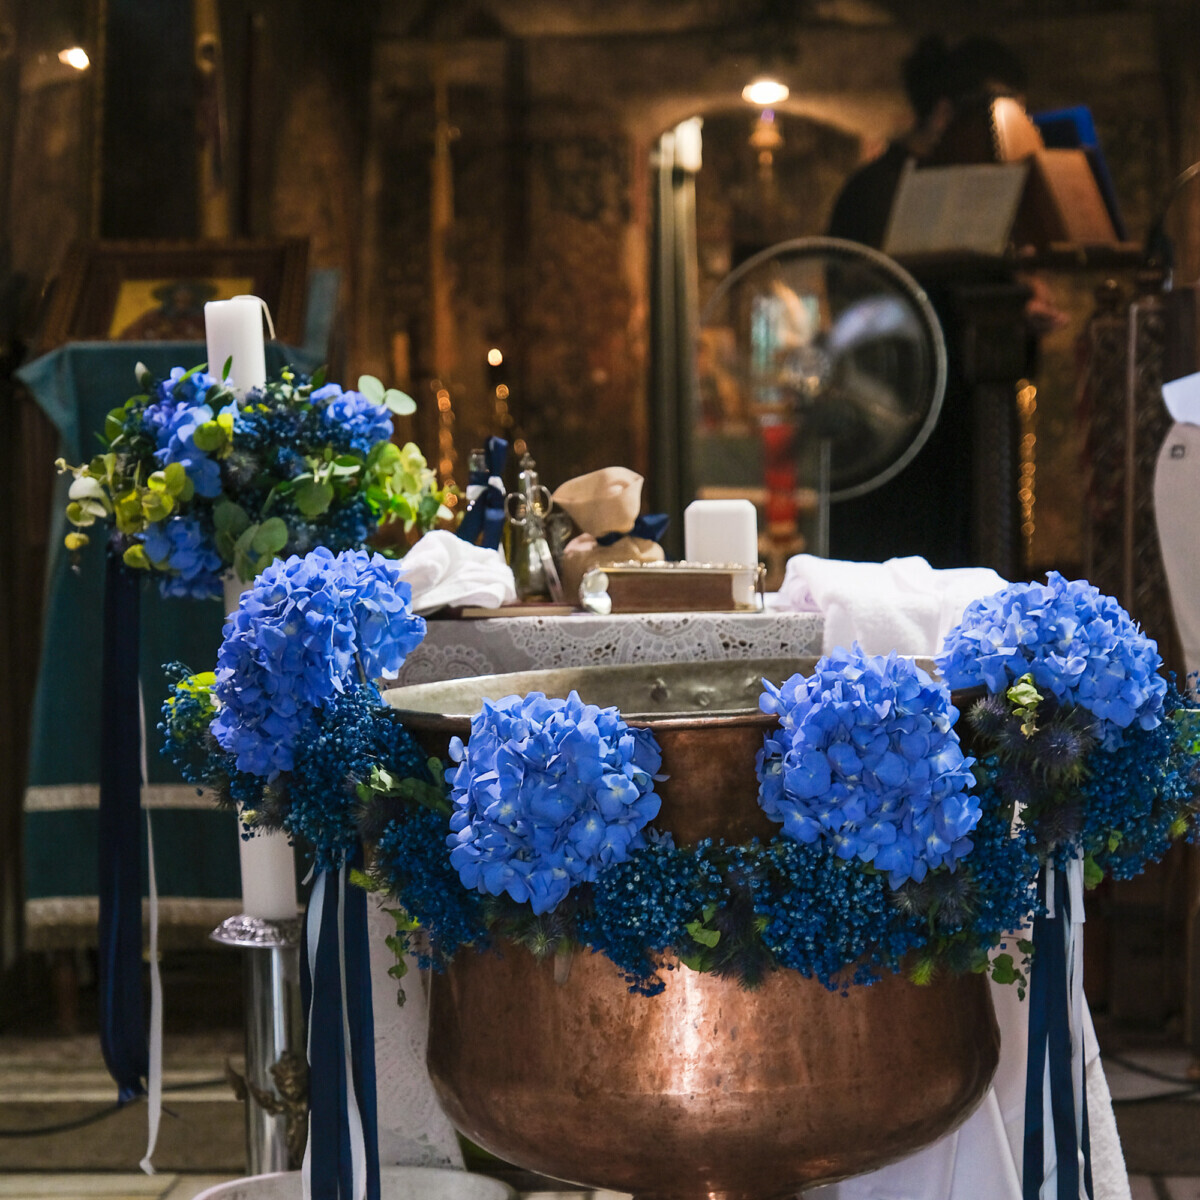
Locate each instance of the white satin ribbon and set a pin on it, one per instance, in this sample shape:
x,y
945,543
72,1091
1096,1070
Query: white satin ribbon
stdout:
x,y
1075,1003
1075,1000
154,1077
312,937
358,1145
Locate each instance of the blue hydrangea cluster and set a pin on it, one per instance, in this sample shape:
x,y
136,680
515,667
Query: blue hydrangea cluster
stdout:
x,y
300,636
350,420
183,552
180,390
867,759
546,793
1080,646
177,445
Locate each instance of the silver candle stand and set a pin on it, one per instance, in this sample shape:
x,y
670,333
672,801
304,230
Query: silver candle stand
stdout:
x,y
275,1085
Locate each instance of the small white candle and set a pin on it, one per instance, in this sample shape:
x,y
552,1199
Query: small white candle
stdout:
x,y
268,863
234,330
723,531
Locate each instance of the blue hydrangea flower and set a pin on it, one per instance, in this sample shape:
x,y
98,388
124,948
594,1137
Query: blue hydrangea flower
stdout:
x,y
299,637
203,470
866,759
185,554
351,419
546,793
171,395
1079,645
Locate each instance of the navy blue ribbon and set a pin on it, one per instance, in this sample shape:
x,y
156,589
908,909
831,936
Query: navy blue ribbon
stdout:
x,y
330,1157
485,511
122,1022
652,527
1050,1040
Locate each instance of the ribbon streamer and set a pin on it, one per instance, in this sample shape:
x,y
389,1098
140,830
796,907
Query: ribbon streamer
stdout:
x,y
485,498
652,527
341,1161
122,1023
1055,1095
154,1076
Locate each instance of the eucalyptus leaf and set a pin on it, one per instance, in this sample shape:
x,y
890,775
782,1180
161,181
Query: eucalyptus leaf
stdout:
x,y
271,536
77,516
209,437
76,541
158,482
156,506
318,376
136,556
229,517
313,497
401,403
372,388
176,478
84,487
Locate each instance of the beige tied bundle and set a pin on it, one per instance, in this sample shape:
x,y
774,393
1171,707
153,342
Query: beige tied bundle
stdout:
x,y
602,502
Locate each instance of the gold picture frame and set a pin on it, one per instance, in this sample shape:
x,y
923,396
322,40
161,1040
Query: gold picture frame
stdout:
x,y
155,290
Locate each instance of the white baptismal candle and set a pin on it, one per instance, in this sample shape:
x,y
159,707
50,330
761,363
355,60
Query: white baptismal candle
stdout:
x,y
234,329
723,531
268,864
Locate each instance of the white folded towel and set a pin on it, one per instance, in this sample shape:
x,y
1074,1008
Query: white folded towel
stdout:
x,y
445,570
902,604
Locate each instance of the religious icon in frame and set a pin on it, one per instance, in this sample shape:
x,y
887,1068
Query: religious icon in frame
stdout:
x,y
156,291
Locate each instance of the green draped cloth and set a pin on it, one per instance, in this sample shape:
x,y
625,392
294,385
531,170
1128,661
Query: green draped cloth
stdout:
x,y
196,857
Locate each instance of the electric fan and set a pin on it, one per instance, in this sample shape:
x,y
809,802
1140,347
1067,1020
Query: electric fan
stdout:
x,y
821,370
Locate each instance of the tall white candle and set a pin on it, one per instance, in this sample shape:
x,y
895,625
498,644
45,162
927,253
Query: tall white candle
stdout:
x,y
268,864
234,330
723,531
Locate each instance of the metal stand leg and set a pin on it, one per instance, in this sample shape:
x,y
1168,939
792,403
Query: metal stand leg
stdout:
x,y
275,1086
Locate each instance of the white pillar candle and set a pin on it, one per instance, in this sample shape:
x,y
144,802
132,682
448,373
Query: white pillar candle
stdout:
x,y
723,531
268,864
234,330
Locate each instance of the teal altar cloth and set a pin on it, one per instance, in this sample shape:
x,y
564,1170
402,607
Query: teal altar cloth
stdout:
x,y
195,845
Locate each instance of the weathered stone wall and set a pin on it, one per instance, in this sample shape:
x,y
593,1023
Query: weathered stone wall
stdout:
x,y
553,197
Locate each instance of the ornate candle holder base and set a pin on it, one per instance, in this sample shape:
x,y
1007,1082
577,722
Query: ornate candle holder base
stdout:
x,y
275,1086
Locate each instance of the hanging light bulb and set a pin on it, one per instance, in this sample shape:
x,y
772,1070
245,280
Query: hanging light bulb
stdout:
x,y
764,91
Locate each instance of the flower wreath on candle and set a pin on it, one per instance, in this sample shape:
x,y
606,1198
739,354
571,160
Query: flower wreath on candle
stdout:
x,y
193,479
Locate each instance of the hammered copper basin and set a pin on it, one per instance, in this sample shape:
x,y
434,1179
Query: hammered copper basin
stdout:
x,y
706,1089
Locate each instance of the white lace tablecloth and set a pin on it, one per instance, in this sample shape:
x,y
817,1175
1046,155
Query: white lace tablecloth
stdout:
x,y
491,646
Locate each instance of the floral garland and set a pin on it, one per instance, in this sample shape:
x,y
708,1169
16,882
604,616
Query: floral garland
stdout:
x,y
193,480
897,849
